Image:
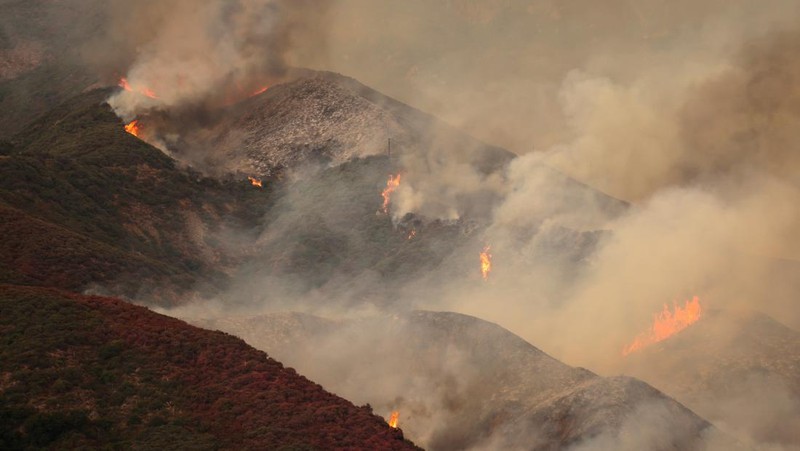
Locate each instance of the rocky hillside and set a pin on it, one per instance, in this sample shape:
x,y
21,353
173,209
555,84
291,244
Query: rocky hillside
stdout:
x,y
460,382
323,116
92,372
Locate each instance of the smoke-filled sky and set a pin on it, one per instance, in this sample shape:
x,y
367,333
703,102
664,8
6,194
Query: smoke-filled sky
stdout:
x,y
507,69
608,89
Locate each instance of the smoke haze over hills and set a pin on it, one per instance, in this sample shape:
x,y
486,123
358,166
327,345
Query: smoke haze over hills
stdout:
x,y
652,159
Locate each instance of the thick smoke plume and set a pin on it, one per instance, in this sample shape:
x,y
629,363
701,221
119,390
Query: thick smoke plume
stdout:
x,y
188,54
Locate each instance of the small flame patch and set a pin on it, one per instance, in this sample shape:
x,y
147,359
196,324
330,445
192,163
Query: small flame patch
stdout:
x,y
486,262
133,127
393,418
259,91
391,185
255,182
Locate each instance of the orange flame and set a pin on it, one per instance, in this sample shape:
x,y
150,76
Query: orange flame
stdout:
x,y
149,93
393,419
254,181
486,262
391,185
411,234
667,324
133,128
259,91
123,83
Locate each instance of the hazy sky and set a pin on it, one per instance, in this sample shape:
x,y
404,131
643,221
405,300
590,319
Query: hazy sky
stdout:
x,y
496,66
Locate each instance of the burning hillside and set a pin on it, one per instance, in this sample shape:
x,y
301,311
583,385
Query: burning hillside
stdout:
x,y
739,369
305,117
177,154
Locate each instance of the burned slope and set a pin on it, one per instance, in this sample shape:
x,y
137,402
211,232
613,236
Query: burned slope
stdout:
x,y
90,204
738,369
92,372
460,382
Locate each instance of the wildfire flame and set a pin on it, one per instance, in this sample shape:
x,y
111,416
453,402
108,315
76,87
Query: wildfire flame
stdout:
x,y
667,324
411,234
259,91
393,419
123,83
133,128
486,262
391,185
254,181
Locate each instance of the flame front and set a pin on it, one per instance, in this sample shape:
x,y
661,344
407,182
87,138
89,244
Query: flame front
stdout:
x,y
147,92
667,324
391,185
254,181
486,262
259,91
393,419
133,128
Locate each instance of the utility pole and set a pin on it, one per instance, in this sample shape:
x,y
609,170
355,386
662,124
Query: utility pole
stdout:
x,y
389,149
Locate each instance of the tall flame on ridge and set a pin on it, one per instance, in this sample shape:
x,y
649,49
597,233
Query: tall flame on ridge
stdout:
x,y
393,419
391,185
666,324
133,127
486,262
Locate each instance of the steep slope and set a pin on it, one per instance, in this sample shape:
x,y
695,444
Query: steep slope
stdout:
x,y
123,213
92,372
738,369
460,382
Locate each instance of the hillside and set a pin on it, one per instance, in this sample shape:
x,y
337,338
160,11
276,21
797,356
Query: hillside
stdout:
x,y
94,207
460,382
93,372
740,369
99,207
318,116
